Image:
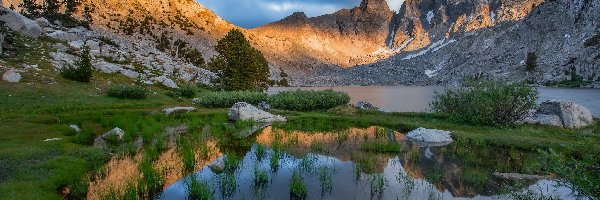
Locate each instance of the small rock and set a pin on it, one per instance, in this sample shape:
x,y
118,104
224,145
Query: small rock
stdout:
x,y
75,127
218,166
245,111
430,137
170,83
52,139
77,44
365,106
101,140
11,76
169,111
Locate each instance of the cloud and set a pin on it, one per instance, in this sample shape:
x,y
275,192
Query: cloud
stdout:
x,y
253,13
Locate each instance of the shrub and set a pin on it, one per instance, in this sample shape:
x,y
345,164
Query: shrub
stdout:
x,y
127,92
486,103
83,71
184,91
226,99
85,137
304,100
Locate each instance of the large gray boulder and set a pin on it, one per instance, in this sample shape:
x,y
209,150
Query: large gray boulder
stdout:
x,y
571,115
245,111
430,137
11,76
115,133
20,23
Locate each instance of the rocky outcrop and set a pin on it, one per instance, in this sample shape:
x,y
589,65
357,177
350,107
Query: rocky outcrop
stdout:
x,y
563,114
19,23
430,137
365,106
245,111
11,76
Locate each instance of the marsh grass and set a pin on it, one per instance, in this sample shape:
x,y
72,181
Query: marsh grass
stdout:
x,y
304,100
326,179
198,190
226,99
297,187
378,184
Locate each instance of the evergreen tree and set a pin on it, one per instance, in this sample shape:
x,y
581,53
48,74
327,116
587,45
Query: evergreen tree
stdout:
x,y
246,68
87,16
83,71
30,8
51,8
71,6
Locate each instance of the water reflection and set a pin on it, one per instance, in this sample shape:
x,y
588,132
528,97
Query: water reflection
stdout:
x,y
335,165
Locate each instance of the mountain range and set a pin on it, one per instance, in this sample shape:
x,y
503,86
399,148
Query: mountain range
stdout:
x,y
427,42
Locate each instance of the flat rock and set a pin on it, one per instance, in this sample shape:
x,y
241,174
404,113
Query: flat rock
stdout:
x,y
11,76
245,111
169,111
430,137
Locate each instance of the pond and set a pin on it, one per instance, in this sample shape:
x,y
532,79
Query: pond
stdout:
x,y
417,98
365,163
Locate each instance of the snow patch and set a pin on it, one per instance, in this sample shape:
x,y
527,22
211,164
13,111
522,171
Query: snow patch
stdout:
x,y
389,51
433,72
493,17
430,16
433,48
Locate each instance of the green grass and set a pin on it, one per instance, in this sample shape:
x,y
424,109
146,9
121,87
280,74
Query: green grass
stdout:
x,y
198,190
304,100
226,99
382,147
297,187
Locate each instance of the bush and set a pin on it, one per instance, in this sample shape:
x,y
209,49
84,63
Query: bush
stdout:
x,y
305,100
227,99
486,103
83,71
85,137
127,92
184,91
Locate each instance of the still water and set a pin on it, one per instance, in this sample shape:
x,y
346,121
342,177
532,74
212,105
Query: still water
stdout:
x,y
332,166
417,98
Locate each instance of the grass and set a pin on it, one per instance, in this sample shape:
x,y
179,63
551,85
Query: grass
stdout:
x,y
303,100
382,147
297,187
226,99
198,190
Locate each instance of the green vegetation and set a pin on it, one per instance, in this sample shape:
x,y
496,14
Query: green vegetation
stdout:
x,y
226,99
245,68
382,147
487,103
199,190
127,92
186,91
83,71
260,177
297,187
304,100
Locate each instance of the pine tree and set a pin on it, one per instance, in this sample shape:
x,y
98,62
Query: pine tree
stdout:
x,y
83,71
246,68
30,8
51,8
71,6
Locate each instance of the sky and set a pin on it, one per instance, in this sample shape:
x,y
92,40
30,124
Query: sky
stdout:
x,y
253,13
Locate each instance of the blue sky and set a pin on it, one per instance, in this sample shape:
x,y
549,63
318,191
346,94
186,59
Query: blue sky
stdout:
x,y
253,13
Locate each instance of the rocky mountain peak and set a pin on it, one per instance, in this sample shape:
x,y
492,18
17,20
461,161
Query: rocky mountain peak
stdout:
x,y
374,5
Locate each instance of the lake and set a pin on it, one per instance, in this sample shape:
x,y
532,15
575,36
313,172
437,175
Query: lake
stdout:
x,y
417,98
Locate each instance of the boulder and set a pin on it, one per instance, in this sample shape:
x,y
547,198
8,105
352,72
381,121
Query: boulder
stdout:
x,y
218,166
77,44
11,76
64,36
365,106
245,111
169,111
430,137
19,23
116,132
60,47
60,59
543,119
572,115
167,82
42,22
106,67
264,105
